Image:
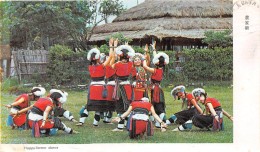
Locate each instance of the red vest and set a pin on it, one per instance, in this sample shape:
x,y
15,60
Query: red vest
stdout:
x,y
215,103
96,71
157,75
189,97
25,103
109,72
141,104
42,103
123,69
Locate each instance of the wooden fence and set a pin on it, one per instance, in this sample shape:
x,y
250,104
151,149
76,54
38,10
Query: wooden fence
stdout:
x,y
29,63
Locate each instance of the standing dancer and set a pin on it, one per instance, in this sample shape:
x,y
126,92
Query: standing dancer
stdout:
x,y
97,93
123,90
139,78
110,84
23,101
157,96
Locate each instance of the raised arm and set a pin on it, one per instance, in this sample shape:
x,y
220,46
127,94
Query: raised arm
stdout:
x,y
152,70
112,63
147,55
111,52
154,48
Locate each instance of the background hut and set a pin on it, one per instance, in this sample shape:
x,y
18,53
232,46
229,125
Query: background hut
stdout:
x,y
176,24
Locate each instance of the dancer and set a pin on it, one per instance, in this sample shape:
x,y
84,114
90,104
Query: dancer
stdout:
x,y
157,96
192,105
212,120
59,111
123,90
97,93
41,119
16,119
139,119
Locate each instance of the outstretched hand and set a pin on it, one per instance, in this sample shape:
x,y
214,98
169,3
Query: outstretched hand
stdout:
x,y
116,120
111,41
146,48
8,106
153,45
116,42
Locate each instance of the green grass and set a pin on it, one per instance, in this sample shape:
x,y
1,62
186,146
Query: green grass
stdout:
x,y
103,134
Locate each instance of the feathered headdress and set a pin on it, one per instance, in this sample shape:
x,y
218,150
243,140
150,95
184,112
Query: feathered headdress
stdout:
x,y
130,50
157,56
94,50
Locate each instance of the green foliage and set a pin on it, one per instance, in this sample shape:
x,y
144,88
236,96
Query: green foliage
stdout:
x,y
218,39
208,64
104,48
110,7
59,69
5,22
121,38
45,23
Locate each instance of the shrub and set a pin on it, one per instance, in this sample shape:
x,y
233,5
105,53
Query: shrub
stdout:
x,y
208,64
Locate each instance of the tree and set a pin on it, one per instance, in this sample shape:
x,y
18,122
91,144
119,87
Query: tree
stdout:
x,y
218,39
43,24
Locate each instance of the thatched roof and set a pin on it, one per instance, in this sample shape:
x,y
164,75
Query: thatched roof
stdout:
x,y
169,18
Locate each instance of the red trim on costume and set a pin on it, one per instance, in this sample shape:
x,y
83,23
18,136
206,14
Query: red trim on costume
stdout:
x,y
157,75
110,71
43,103
25,103
141,104
215,103
189,97
123,69
96,71
20,119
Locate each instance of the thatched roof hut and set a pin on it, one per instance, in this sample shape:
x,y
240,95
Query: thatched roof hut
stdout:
x,y
173,22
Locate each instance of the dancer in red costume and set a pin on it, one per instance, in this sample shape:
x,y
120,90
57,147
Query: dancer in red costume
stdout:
x,y
97,93
139,119
41,118
157,96
23,101
123,89
213,118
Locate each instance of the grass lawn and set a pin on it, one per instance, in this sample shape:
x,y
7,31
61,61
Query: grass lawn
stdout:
x,y
103,134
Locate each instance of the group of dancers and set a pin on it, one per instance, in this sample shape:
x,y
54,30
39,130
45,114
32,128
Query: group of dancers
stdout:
x,y
119,83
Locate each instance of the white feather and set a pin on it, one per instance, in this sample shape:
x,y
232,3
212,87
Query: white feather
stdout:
x,y
130,53
39,93
157,56
94,50
145,99
64,95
